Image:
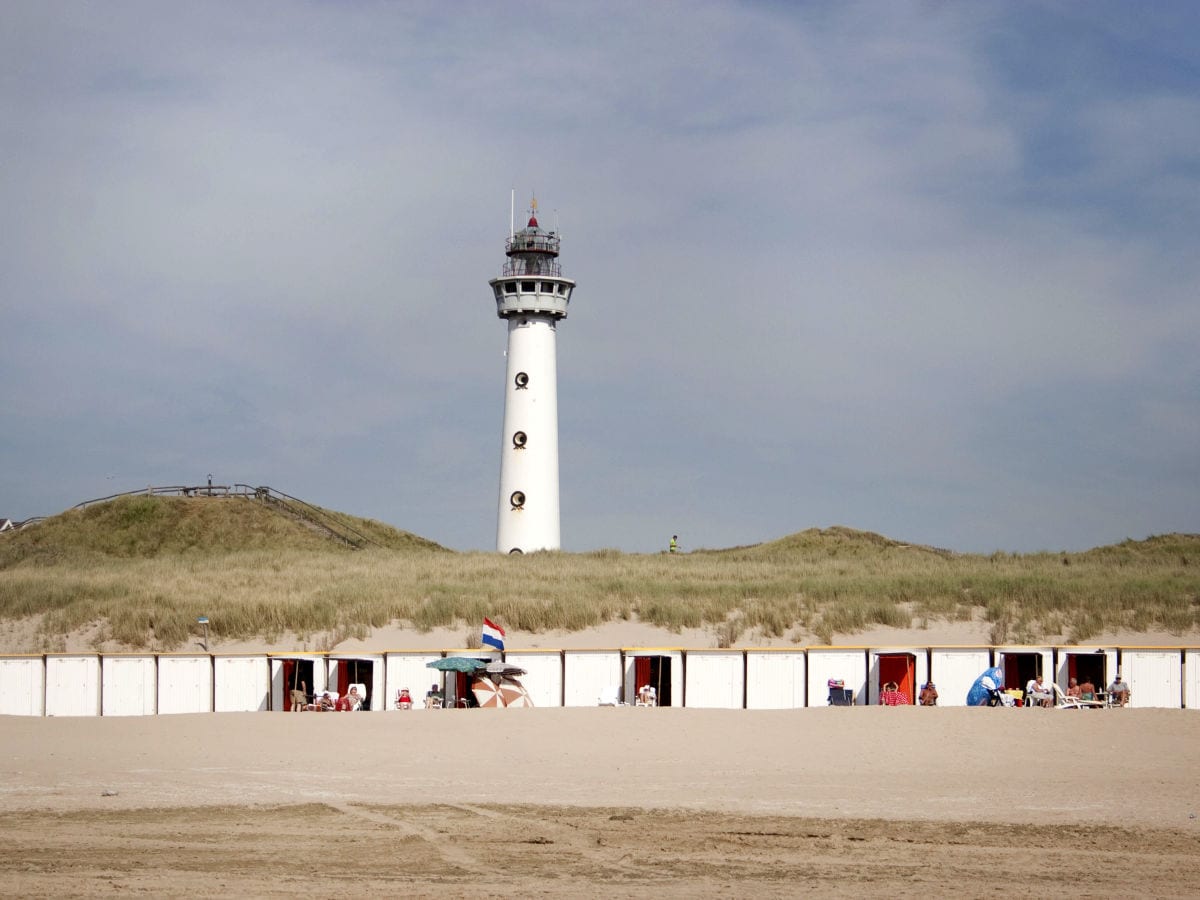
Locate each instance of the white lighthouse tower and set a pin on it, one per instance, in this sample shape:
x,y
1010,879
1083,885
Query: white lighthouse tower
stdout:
x,y
531,296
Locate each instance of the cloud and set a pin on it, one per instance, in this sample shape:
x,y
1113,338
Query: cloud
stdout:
x,y
921,269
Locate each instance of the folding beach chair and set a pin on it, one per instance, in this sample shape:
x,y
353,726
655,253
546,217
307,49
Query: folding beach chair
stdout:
x,y
841,697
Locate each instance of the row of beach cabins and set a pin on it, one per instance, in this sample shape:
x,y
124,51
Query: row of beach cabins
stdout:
x,y
93,684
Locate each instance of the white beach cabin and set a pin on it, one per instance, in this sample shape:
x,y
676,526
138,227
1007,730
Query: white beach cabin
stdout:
x,y
1095,664
457,685
589,675
295,671
346,669
714,679
129,685
658,667
908,667
72,684
1021,664
1155,676
23,685
241,683
954,669
775,679
846,664
185,683
544,683
409,669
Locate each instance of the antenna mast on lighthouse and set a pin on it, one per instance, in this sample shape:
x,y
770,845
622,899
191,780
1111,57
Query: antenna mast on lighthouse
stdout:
x,y
531,296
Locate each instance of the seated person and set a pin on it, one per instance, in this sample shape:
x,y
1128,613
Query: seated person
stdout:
x,y
1038,693
646,696
929,695
299,698
1119,692
433,697
892,695
354,699
1073,690
324,703
1087,690
403,699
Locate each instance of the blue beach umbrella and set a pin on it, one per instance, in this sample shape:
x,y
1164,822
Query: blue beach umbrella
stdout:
x,y
991,680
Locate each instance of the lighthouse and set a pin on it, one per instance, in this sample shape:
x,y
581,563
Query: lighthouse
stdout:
x,y
531,297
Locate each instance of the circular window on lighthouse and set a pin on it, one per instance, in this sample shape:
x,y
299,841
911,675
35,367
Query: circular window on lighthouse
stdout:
x,y
522,380
519,440
517,499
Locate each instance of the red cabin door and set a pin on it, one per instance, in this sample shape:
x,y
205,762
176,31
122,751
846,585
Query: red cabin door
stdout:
x,y
641,673
900,668
289,684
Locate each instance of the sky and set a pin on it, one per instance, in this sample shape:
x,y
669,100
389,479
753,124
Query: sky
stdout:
x,y
927,269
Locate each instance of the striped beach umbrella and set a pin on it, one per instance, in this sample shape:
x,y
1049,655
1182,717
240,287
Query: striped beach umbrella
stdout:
x,y
514,693
487,692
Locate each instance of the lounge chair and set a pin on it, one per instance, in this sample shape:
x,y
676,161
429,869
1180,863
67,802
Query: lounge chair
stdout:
x,y
1065,702
610,696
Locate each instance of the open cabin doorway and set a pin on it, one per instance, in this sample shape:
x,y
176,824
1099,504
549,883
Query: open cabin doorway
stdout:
x,y
354,671
1021,668
900,668
297,676
455,688
458,691
1088,667
654,671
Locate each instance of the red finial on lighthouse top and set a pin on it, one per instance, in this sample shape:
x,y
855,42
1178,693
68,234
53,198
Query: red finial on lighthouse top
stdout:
x,y
533,212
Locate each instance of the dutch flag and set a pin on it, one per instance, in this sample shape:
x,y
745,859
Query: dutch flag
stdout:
x,y
493,635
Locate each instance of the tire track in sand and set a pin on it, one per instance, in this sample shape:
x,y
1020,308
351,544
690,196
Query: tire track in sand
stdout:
x,y
570,836
450,853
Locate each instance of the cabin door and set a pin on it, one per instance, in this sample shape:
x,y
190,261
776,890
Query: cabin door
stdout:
x,y
656,672
355,671
900,668
296,672
641,672
1021,668
1084,667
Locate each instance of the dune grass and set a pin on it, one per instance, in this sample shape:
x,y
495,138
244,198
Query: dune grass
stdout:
x,y
142,569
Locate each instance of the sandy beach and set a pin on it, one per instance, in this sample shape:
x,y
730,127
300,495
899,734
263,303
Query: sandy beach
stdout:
x,y
636,802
